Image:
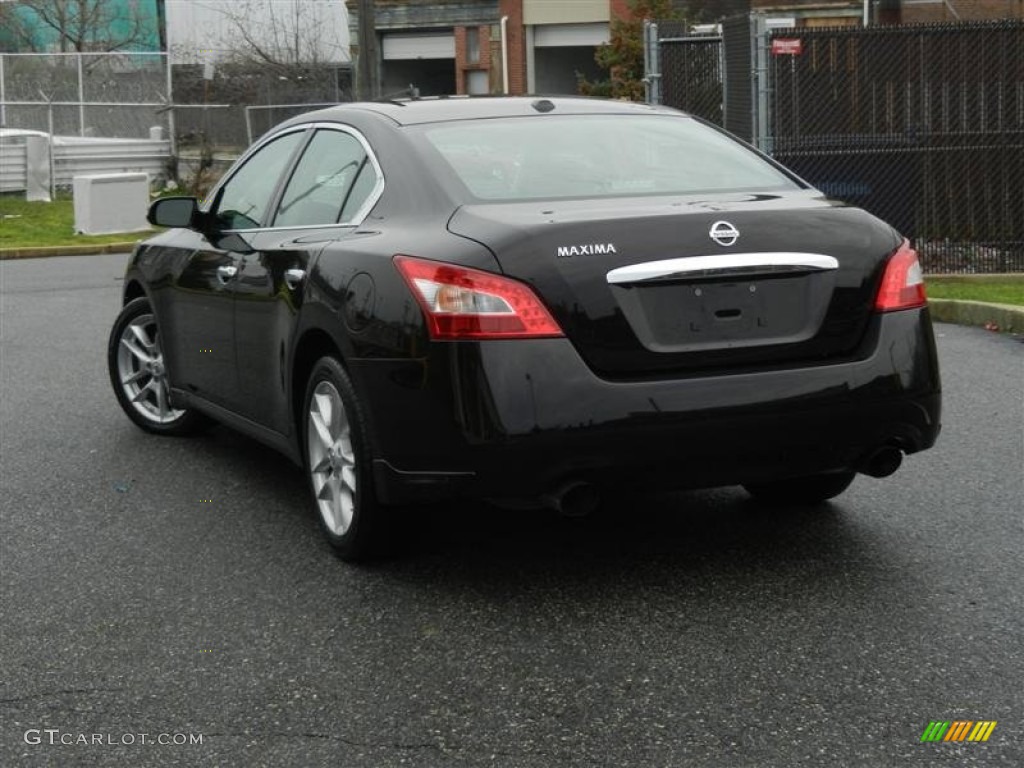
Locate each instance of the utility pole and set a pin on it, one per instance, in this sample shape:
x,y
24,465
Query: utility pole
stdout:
x,y
368,80
161,24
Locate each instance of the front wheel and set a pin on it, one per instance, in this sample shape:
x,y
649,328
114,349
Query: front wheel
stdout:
x,y
338,464
812,489
135,360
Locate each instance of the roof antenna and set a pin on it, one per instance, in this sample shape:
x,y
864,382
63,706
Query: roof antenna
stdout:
x,y
412,93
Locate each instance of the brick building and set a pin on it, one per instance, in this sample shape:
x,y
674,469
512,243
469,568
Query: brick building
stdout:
x,y
459,46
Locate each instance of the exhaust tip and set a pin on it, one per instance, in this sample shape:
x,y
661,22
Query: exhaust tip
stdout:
x,y
883,462
577,499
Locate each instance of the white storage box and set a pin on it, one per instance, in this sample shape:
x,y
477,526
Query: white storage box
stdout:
x,y
111,202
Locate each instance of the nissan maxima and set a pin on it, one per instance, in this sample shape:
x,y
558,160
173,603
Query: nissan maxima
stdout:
x,y
527,300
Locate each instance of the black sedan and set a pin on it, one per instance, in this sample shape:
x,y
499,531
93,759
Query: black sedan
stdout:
x,y
527,300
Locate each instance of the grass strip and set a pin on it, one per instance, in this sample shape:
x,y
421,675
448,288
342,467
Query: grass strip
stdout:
x,y
1004,290
42,225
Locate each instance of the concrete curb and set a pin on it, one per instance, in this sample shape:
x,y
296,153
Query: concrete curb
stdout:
x,y
90,249
1006,317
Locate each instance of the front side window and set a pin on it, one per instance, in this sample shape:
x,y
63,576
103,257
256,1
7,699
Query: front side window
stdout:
x,y
244,201
323,180
550,156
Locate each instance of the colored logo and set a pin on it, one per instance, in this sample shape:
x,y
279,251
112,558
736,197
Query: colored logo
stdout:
x,y
958,730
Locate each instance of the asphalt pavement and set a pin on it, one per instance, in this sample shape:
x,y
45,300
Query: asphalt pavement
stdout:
x,y
179,588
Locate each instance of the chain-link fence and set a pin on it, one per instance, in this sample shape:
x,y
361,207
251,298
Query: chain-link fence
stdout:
x,y
111,95
921,125
210,113
220,112
240,101
260,118
691,70
117,95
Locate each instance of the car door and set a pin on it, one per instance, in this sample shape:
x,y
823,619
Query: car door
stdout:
x,y
332,186
201,308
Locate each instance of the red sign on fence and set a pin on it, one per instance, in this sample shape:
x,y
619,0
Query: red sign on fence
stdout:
x,y
787,46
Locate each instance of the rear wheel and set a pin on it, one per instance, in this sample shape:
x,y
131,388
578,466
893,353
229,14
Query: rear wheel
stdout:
x,y
135,360
811,489
337,459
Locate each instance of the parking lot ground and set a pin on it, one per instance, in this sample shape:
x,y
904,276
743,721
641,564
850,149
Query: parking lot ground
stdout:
x,y
165,586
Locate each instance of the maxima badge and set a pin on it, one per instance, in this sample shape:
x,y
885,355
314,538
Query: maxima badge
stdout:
x,y
724,233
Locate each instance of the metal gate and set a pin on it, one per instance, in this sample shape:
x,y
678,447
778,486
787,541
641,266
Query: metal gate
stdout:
x,y
921,125
720,74
685,70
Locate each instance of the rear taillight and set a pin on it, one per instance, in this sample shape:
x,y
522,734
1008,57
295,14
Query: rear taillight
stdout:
x,y
462,303
903,283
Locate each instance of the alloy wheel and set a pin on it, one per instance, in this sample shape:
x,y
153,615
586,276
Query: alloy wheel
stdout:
x,y
332,461
141,371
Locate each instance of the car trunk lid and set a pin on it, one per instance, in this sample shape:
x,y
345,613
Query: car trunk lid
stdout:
x,y
648,285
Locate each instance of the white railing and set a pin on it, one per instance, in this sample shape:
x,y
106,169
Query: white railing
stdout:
x,y
78,156
13,170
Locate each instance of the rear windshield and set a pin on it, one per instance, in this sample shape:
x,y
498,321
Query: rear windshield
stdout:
x,y
544,157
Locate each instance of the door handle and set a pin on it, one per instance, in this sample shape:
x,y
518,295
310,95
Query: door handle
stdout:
x,y
293,277
226,273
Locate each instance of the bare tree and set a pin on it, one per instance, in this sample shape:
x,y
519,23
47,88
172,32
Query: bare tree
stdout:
x,y
285,36
79,25
258,52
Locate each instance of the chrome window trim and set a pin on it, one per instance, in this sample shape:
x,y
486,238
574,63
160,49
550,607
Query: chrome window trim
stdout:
x,y
356,219
722,265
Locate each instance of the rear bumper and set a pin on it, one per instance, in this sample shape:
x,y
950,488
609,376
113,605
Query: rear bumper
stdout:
x,y
519,418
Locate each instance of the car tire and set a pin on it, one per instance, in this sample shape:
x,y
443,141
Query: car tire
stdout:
x,y
135,361
338,464
812,489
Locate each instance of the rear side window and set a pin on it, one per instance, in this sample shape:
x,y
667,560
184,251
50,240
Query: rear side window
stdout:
x,y
323,180
547,156
360,192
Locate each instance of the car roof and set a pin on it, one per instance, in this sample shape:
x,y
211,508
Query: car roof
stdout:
x,y
434,110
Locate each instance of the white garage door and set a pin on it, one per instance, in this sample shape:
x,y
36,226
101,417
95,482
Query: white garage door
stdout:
x,y
569,35
418,47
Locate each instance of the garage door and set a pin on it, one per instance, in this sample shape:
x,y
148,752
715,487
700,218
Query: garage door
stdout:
x,y
569,35
418,47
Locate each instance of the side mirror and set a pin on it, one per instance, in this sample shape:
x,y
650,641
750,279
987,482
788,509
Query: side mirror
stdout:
x,y
184,212
173,212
